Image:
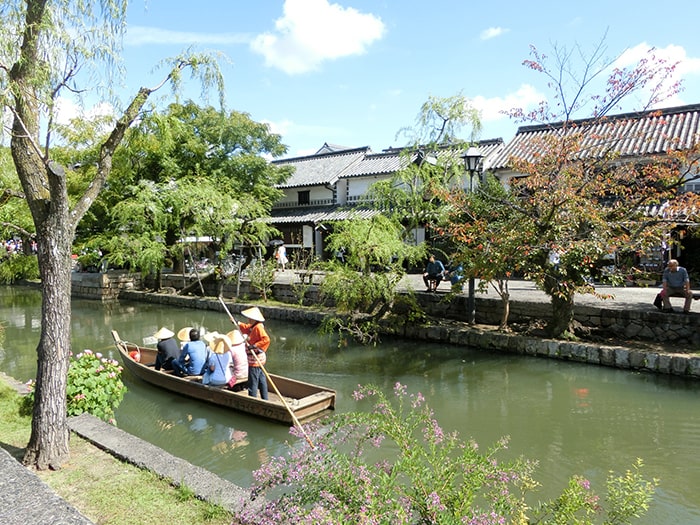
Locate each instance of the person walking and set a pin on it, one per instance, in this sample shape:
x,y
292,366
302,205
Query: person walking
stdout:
x,y
281,256
257,344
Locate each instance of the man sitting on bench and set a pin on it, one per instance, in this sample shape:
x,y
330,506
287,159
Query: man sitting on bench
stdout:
x,y
434,272
676,283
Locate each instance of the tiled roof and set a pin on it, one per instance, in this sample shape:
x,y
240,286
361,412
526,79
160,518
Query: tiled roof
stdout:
x,y
321,169
380,164
628,135
331,148
392,160
320,214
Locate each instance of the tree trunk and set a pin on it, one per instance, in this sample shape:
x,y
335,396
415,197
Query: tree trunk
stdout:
x,y
505,312
48,444
562,308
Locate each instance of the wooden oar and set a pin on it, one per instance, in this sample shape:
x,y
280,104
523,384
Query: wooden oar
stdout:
x,y
272,383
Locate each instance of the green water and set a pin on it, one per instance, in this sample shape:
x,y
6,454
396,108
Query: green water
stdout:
x,y
573,418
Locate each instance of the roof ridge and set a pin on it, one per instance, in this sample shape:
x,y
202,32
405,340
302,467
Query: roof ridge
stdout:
x,y
611,118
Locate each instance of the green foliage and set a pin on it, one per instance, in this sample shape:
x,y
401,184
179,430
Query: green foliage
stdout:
x,y
395,464
629,495
365,285
374,244
440,119
94,386
18,266
15,218
262,276
358,292
190,171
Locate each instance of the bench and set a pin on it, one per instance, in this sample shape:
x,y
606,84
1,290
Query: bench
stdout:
x,y
307,277
659,303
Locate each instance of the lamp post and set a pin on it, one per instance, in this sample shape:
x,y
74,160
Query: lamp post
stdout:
x,y
472,163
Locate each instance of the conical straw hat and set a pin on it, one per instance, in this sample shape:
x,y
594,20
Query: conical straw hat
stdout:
x,y
236,337
163,333
210,337
184,333
254,313
222,344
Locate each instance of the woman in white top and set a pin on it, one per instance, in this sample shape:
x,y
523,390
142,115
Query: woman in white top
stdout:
x,y
240,360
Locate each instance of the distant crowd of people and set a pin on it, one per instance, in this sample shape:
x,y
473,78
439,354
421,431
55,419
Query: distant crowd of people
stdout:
x,y
235,360
12,246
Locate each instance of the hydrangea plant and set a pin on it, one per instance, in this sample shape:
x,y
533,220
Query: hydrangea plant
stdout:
x,y
94,386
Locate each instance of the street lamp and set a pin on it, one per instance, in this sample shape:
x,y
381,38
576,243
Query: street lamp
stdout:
x,y
472,163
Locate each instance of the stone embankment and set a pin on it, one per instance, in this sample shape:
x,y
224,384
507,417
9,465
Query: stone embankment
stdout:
x,y
625,357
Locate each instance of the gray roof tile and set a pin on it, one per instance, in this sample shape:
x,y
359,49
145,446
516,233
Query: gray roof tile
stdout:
x,y
319,170
320,214
628,135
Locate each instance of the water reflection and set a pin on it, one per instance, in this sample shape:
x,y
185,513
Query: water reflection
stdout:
x,y
574,419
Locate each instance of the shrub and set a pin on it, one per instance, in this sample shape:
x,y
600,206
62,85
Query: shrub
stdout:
x,y
18,266
94,386
396,465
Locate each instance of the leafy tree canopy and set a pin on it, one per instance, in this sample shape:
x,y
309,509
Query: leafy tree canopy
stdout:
x,y
187,171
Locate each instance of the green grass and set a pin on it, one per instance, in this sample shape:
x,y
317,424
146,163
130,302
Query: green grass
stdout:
x,y
105,489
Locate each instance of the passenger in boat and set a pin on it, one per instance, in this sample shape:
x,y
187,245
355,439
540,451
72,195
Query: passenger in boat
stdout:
x,y
257,344
168,349
193,357
218,372
239,365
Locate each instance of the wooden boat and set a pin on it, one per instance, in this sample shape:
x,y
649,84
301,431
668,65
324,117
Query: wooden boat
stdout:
x,y
305,400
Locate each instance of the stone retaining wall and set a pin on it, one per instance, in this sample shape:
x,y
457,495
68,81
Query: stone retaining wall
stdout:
x,y
654,326
102,286
463,335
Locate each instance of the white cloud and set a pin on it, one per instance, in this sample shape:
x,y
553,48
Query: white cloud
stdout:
x,y
492,32
672,54
313,31
68,109
492,109
142,35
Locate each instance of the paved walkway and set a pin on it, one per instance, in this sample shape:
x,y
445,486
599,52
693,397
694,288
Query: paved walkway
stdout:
x,y
632,297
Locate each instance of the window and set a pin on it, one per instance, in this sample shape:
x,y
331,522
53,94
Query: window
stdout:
x,y
304,197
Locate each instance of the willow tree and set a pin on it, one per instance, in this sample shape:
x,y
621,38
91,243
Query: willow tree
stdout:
x,y
187,171
428,163
49,48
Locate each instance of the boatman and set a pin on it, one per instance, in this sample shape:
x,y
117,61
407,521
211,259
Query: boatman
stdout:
x,y
257,344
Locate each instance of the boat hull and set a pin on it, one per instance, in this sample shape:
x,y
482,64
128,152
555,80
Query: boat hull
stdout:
x,y
305,400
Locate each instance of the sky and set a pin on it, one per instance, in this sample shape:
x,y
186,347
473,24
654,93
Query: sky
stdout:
x,y
356,72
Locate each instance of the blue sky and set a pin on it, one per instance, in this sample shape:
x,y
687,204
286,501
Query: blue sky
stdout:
x,y
357,71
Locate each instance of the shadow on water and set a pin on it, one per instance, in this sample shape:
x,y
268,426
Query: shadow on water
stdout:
x,y
574,419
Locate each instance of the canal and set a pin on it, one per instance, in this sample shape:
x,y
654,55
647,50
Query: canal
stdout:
x,y
573,418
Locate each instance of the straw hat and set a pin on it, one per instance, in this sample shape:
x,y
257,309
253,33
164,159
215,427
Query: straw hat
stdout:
x,y
236,337
210,337
254,313
222,344
163,333
184,333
